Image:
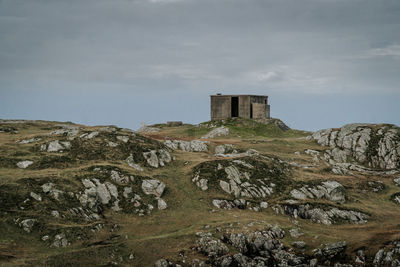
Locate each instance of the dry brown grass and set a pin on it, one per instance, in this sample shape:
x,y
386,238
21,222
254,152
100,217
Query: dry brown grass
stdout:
x,y
166,233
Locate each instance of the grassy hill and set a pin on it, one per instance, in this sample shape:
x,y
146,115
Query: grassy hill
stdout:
x,y
80,220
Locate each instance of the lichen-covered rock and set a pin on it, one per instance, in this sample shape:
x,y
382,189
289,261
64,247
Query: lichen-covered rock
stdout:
x,y
211,247
223,204
245,178
56,146
27,224
161,263
151,158
148,129
389,255
238,185
325,215
189,146
373,186
60,240
161,204
97,193
28,141
224,149
120,178
24,164
123,138
131,163
333,249
295,233
396,198
263,205
36,196
299,244
376,146
157,158
50,189
68,130
330,190
153,187
89,135
220,131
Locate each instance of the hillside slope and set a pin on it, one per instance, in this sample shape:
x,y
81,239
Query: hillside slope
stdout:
x,y
227,193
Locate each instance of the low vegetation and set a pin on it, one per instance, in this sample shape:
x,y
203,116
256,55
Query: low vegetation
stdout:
x,y
72,195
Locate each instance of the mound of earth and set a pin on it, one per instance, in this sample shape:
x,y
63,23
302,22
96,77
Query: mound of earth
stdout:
x,y
68,145
248,177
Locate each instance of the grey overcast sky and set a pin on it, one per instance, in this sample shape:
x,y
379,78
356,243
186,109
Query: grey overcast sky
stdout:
x,y
323,63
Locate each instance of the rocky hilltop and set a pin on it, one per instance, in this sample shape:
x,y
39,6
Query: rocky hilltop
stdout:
x,y
225,193
375,146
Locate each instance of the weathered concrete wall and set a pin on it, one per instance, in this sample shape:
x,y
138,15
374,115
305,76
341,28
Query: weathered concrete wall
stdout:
x,y
220,107
244,106
250,106
259,99
258,111
260,107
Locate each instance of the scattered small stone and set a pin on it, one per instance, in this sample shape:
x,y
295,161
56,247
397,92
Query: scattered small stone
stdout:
x,y
28,224
36,196
28,141
123,138
295,233
299,244
132,163
112,144
153,187
55,213
162,205
24,164
60,240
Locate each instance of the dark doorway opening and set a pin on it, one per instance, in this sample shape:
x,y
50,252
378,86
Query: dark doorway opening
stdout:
x,y
235,106
251,111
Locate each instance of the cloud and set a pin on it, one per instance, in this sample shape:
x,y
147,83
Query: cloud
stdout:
x,y
268,76
228,44
165,1
390,50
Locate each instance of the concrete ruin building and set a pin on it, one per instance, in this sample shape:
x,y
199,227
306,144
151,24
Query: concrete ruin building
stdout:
x,y
242,106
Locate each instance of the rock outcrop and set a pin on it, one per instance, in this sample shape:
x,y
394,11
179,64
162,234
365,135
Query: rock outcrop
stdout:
x,y
242,178
153,187
322,215
255,248
27,224
225,149
148,129
157,158
376,146
56,146
189,146
131,163
389,255
330,190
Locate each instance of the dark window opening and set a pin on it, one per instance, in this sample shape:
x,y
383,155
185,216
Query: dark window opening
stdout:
x,y
251,111
235,107
265,101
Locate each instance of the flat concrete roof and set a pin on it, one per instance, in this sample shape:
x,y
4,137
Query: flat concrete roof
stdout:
x,y
240,95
